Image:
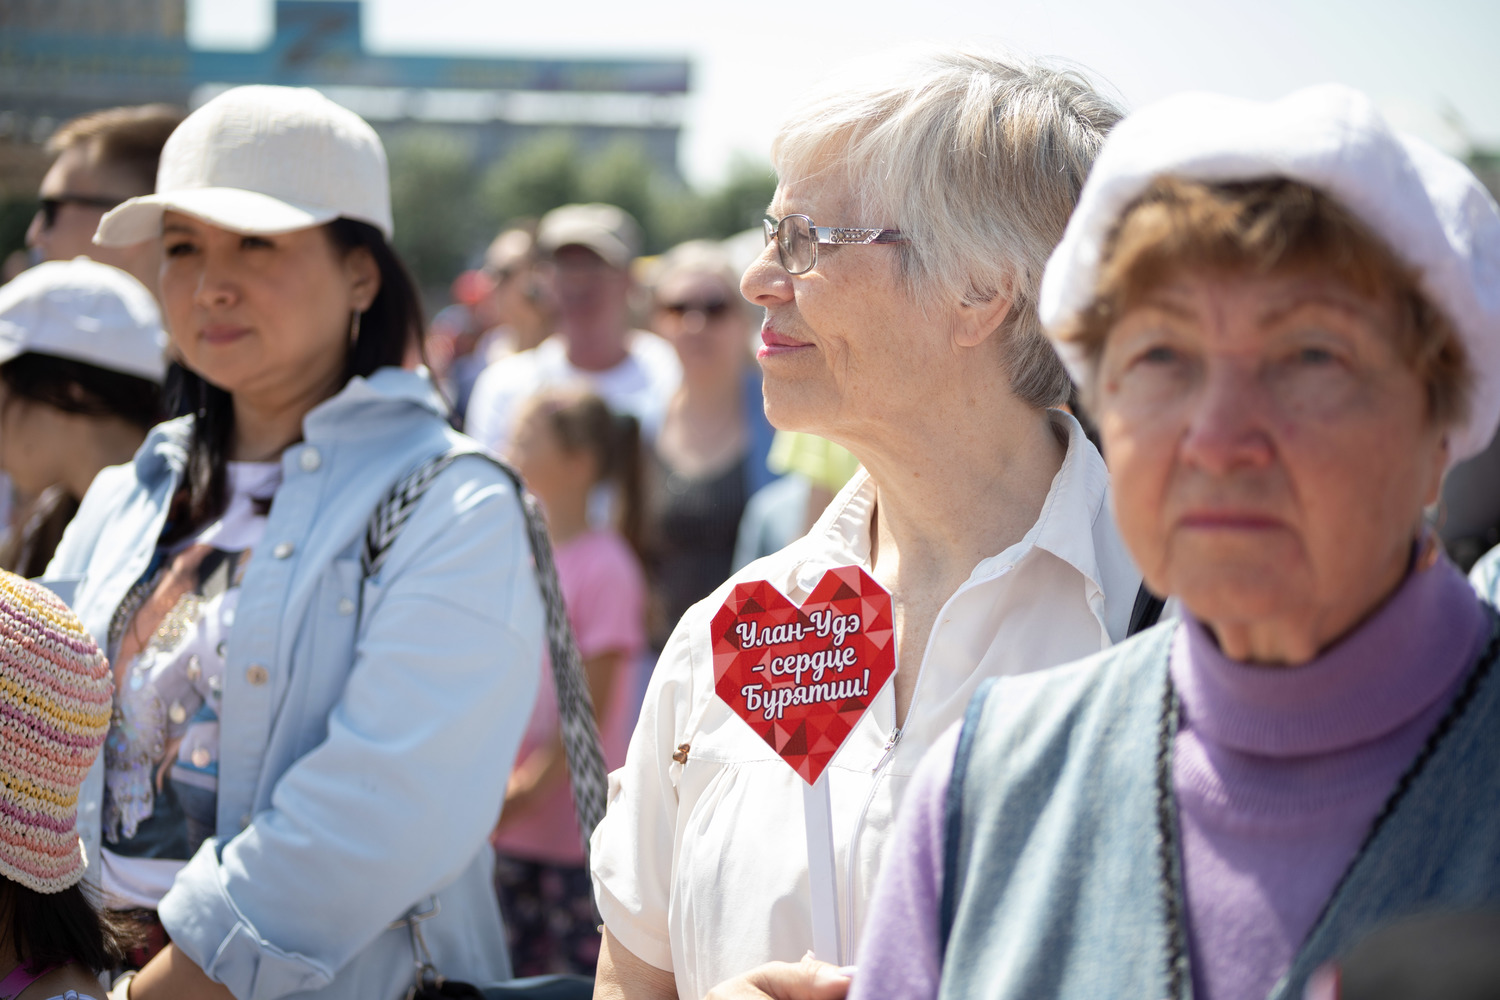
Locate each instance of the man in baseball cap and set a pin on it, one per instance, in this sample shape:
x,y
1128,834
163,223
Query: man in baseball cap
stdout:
x,y
586,255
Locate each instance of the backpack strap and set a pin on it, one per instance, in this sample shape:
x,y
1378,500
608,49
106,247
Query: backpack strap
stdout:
x,y
575,707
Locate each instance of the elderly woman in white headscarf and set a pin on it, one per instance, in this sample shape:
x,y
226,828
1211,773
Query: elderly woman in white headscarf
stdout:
x,y
1287,319
906,241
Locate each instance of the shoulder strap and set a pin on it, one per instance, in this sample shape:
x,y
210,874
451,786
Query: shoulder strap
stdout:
x,y
953,810
580,733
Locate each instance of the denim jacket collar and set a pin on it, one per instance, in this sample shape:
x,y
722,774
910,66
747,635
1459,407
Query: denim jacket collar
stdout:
x,y
165,448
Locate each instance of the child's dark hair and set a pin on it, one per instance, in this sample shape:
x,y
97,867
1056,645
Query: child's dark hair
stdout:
x,y
583,421
81,388
61,928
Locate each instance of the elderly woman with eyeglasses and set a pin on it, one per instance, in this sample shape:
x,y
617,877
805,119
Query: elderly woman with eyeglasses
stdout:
x,y
1287,320
909,232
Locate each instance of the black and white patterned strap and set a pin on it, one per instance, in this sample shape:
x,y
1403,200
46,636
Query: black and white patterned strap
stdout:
x,y
580,733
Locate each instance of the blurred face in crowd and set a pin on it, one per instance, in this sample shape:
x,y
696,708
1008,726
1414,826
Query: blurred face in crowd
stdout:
x,y
1270,452
263,317
550,470
846,351
76,192
34,437
704,318
510,265
589,294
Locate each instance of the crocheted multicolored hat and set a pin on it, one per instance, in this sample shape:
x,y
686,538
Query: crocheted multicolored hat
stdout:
x,y
55,696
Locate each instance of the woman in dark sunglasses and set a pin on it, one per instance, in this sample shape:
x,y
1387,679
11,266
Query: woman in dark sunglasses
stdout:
x,y
710,454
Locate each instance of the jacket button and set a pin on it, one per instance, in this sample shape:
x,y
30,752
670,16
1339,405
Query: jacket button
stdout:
x,y
257,674
310,460
346,606
283,550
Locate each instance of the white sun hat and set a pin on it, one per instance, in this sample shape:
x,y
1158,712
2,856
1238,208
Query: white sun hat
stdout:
x,y
263,160
84,311
1428,208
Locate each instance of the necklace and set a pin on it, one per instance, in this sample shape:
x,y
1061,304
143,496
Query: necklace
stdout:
x,y
1168,847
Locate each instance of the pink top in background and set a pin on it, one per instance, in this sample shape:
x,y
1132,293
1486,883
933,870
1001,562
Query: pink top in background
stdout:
x,y
605,594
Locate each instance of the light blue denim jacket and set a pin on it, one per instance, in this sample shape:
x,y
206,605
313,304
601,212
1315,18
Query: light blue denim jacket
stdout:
x,y
368,726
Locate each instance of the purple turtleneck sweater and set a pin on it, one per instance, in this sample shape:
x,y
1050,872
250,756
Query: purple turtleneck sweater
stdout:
x,y
1278,771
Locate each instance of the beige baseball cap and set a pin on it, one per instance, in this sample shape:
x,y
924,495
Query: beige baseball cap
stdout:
x,y
264,160
605,229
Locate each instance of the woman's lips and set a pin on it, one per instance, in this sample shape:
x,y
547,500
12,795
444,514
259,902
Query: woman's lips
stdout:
x,y
1228,520
221,334
773,343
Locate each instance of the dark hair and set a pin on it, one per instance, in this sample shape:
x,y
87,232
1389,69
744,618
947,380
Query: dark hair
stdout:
x,y
387,330
582,421
81,388
59,928
126,139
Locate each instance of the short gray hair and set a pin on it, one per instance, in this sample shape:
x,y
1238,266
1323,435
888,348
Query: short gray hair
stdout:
x,y
978,158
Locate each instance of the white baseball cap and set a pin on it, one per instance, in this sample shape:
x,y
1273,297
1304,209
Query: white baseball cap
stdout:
x,y
84,311
264,160
1430,210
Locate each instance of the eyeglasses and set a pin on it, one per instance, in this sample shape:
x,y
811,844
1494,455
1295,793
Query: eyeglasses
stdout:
x,y
51,206
711,309
797,240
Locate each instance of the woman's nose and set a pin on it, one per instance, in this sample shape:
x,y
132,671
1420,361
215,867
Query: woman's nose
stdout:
x,y
1227,428
765,281
216,281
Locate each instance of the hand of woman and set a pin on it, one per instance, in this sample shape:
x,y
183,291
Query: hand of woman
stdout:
x,y
171,975
808,979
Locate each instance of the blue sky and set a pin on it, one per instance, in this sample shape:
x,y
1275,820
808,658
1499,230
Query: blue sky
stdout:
x,y
1428,66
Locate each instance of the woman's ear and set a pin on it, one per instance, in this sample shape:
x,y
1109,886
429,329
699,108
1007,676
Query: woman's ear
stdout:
x,y
978,319
363,274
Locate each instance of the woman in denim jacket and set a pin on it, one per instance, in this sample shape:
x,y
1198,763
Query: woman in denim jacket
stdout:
x,y
305,756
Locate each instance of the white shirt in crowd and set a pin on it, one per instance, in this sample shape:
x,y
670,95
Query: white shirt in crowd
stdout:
x,y
701,869
641,385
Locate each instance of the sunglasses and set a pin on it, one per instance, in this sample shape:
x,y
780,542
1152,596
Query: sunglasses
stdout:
x,y
51,206
712,309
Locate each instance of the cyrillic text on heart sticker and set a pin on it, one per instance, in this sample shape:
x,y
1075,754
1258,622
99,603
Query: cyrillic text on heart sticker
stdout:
x,y
801,677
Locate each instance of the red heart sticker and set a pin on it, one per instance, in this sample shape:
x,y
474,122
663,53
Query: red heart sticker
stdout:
x,y
802,677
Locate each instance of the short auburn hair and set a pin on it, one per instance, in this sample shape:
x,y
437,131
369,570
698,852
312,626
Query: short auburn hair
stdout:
x,y
128,139
1268,226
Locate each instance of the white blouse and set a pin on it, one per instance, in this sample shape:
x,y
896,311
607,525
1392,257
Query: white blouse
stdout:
x,y
701,869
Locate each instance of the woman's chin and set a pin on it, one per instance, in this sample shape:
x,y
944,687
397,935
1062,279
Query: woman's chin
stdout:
x,y
1225,594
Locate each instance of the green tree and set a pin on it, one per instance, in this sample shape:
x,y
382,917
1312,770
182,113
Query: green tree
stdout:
x,y
432,191
535,178
621,174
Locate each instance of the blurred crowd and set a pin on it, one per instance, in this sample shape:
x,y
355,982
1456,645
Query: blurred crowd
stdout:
x,y
330,577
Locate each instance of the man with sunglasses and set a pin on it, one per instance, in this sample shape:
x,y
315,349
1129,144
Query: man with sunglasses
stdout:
x,y
103,158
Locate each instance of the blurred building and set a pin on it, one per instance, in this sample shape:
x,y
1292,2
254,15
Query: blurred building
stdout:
x,y
60,58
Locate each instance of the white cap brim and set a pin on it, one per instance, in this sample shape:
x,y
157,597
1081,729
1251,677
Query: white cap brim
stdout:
x,y
234,209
